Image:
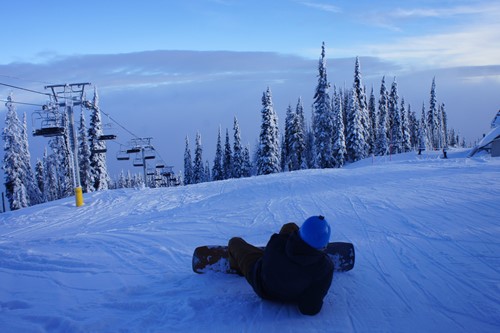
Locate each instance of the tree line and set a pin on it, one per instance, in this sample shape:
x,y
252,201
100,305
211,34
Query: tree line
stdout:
x,y
346,125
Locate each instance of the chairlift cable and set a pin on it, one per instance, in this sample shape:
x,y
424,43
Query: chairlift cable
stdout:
x,y
23,103
25,89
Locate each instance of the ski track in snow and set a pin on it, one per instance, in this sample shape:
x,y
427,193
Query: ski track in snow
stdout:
x,y
426,234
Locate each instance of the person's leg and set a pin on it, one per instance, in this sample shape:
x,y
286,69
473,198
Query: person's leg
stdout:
x,y
243,256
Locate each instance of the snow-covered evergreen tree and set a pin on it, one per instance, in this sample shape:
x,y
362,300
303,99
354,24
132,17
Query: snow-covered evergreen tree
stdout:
x,y
382,143
122,182
217,171
207,175
15,180
51,182
188,164
247,164
34,194
286,145
310,149
322,118
269,153
62,162
84,157
227,159
405,128
444,126
339,144
237,151
359,92
433,118
422,131
355,141
40,178
372,114
395,129
296,139
99,169
413,127
198,166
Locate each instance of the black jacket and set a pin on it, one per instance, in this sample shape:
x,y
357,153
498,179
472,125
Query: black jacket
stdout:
x,y
293,271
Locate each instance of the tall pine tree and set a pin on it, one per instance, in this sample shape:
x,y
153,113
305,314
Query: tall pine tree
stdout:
x,y
395,128
405,127
339,145
433,118
188,164
268,156
217,171
100,176
34,194
84,157
322,118
359,92
15,180
198,167
237,151
227,159
355,141
382,143
372,114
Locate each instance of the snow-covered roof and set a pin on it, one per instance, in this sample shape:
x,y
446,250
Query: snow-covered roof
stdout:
x,y
487,139
496,120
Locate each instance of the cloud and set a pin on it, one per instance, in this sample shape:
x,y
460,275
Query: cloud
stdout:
x,y
321,6
402,13
472,46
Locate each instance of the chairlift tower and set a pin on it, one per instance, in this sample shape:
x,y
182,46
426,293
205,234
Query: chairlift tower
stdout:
x,y
67,96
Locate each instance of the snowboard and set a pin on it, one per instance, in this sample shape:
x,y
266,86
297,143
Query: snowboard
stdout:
x,y
214,258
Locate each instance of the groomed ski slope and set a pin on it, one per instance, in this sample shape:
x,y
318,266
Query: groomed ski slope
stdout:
x,y
426,231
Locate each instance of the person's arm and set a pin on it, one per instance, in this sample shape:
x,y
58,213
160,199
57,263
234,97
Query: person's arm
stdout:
x,y
311,301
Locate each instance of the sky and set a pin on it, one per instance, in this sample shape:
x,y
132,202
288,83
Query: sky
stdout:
x,y
170,69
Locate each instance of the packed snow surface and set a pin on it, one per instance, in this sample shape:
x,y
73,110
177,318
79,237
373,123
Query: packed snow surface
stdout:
x,y
426,232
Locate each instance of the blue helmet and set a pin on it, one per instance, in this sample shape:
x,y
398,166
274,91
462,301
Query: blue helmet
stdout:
x,y
315,231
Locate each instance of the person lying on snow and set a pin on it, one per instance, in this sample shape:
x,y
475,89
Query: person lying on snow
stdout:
x,y
293,266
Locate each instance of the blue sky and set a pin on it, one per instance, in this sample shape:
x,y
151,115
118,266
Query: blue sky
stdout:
x,y
417,32
158,63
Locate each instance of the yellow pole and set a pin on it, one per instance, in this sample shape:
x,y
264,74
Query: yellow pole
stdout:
x,y
79,196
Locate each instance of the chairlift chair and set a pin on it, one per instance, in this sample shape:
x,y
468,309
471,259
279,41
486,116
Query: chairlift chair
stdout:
x,y
138,162
51,123
122,156
133,150
108,136
149,154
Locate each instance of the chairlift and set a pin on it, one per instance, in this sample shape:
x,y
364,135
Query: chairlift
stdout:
x,y
133,150
51,123
150,172
149,154
160,164
138,162
167,171
99,151
122,155
108,136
